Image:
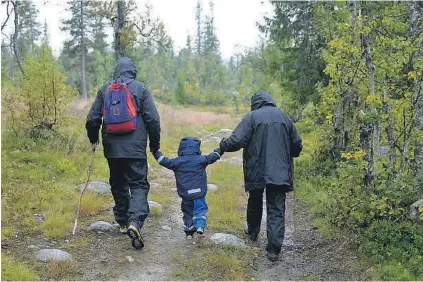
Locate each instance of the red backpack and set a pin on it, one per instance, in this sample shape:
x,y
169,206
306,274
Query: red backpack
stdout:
x,y
119,113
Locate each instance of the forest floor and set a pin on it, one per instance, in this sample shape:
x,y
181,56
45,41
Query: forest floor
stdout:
x,y
167,255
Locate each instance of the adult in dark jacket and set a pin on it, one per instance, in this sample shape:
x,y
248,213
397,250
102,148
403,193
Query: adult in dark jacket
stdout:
x,y
191,181
126,154
270,141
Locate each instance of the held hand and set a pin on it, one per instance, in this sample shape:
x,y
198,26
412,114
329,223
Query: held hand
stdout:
x,y
157,154
221,144
219,151
153,150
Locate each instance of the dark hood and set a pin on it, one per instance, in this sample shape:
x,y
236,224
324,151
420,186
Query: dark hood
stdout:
x,y
125,69
189,146
260,99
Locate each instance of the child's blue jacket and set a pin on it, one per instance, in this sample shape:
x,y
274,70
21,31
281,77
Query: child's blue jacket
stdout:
x,y
189,168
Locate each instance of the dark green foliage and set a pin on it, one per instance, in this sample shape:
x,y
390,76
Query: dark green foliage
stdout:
x,y
30,28
399,245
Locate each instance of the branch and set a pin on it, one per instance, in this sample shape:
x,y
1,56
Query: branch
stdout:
x,y
141,31
15,39
8,15
163,41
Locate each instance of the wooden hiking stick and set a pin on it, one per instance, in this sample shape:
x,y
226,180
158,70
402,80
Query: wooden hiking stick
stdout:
x,y
94,146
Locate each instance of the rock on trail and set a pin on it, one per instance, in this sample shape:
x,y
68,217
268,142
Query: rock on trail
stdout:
x,y
53,254
227,239
96,186
101,226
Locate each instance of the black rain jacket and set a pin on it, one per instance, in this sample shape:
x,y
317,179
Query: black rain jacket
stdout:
x,y
270,141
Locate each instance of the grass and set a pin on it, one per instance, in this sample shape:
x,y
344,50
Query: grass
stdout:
x,y
11,270
162,195
92,202
227,204
61,270
211,262
42,178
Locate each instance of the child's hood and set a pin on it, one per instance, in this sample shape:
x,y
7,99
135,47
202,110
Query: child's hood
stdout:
x,y
189,146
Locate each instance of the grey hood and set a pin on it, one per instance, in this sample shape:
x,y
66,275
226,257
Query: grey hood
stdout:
x,y
260,99
126,70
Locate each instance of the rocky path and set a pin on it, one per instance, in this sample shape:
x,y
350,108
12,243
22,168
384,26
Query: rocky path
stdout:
x,y
306,254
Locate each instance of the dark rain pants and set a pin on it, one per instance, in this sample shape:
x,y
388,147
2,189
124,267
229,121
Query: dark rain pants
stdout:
x,y
128,179
275,202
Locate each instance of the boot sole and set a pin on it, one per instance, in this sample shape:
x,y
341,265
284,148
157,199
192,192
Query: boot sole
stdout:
x,y
137,242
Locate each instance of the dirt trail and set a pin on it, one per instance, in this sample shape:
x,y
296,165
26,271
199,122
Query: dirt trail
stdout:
x,y
306,254
159,248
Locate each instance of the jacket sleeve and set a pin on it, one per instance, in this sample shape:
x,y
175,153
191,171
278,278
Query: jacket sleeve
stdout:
x,y
95,117
241,136
210,158
166,162
296,142
151,119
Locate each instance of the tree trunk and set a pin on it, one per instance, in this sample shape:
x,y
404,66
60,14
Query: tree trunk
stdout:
x,y
119,46
418,123
16,50
390,130
369,129
418,148
353,20
83,86
343,115
12,63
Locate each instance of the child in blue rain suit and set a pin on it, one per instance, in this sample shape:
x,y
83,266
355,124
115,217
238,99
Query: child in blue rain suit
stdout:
x,y
191,181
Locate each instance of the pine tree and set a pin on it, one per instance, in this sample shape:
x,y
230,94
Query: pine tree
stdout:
x,y
199,35
98,33
211,43
100,58
188,44
79,27
29,27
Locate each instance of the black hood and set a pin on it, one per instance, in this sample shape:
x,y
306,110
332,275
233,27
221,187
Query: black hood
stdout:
x,y
125,69
189,146
260,99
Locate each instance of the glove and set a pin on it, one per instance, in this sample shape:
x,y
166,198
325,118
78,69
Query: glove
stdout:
x,y
221,144
219,151
154,149
157,154
94,140
93,132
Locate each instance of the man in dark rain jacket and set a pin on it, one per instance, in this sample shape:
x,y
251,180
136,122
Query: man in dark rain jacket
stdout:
x,y
126,154
270,141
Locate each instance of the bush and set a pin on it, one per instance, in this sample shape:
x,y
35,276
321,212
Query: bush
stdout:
x,y
396,248
44,91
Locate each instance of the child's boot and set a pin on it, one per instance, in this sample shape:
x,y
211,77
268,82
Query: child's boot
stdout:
x,y
200,230
189,235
